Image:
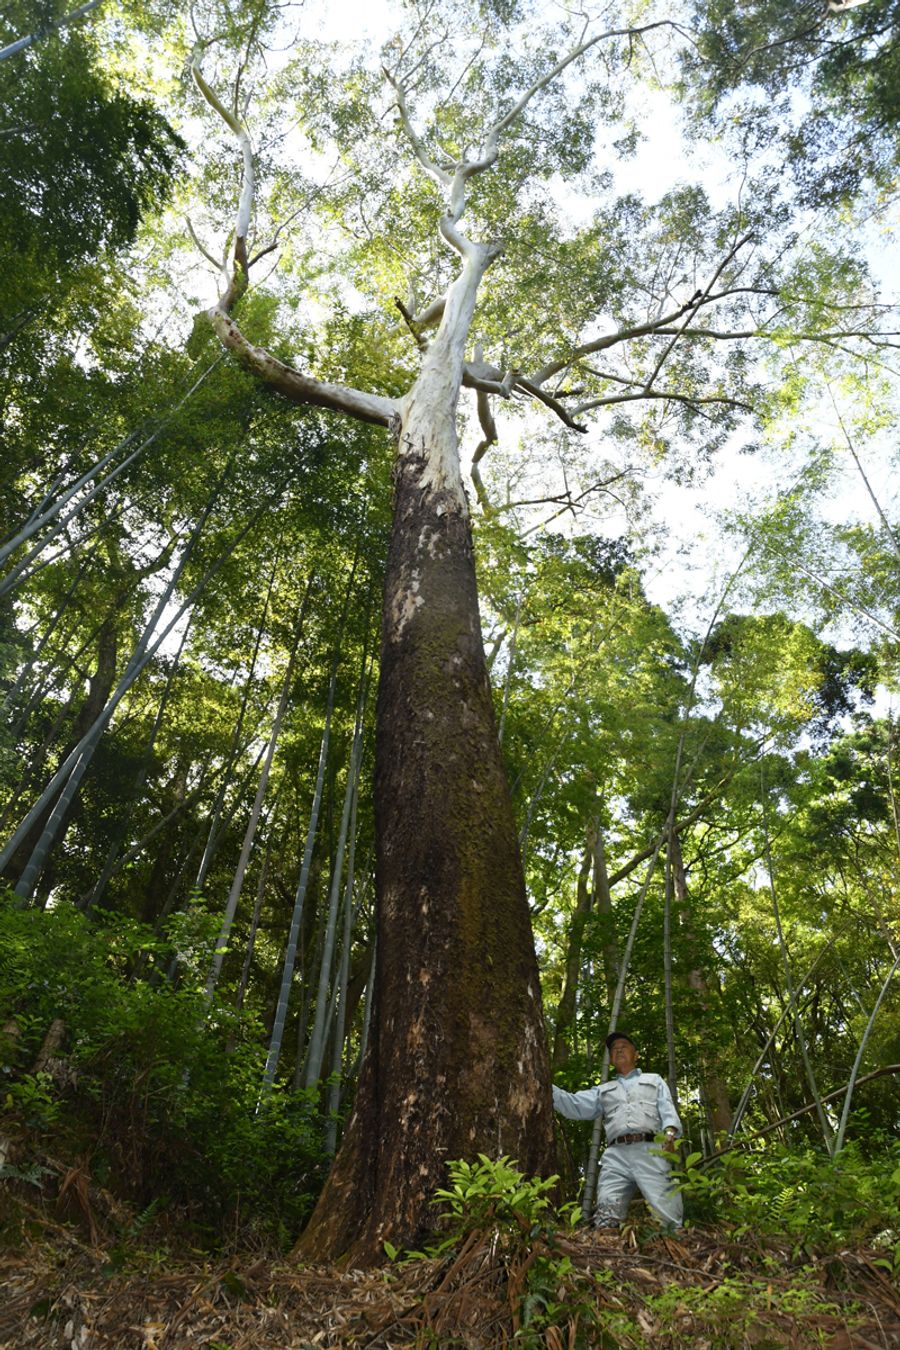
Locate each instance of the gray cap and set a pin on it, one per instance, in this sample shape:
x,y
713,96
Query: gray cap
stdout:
x,y
618,1036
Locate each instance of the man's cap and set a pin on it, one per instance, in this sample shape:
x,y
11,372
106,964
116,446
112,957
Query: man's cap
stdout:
x,y
618,1036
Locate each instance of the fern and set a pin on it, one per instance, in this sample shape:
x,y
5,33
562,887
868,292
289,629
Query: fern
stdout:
x,y
782,1202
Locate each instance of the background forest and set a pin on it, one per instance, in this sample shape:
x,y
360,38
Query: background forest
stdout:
x,y
678,433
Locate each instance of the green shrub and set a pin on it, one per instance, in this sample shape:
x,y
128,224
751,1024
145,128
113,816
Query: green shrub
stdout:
x,y
515,1215
157,1087
799,1193
494,1194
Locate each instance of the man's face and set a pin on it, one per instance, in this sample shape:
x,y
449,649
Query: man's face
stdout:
x,y
623,1056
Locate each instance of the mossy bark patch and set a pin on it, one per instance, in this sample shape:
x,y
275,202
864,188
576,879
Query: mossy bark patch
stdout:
x,y
457,1063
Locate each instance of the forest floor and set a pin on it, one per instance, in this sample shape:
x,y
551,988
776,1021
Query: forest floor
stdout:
x,y
62,1285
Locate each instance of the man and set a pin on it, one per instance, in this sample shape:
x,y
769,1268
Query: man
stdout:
x,y
635,1107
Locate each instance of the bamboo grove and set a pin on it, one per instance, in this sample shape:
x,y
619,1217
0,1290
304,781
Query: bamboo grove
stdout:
x,y
196,540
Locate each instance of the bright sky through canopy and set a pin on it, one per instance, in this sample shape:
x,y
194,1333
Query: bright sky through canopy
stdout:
x,y
693,552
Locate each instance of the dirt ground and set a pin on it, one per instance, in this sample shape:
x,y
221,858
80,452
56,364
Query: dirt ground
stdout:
x,y
58,1288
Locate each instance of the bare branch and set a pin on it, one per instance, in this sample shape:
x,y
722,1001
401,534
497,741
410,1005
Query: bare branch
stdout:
x,y
566,498
239,278
666,395
434,171
299,388
574,504
202,248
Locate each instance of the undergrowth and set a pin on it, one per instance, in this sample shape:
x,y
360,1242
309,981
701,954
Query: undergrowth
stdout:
x,y
502,1232
152,1088
800,1194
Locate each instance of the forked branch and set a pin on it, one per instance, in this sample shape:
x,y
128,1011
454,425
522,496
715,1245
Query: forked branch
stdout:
x,y
277,374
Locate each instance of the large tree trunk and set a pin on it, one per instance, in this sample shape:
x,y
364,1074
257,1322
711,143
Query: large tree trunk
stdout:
x,y
456,1061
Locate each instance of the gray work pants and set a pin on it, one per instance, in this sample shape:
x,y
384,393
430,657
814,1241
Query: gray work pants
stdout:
x,y
627,1169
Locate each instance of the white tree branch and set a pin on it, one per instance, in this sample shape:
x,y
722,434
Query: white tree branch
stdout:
x,y
284,379
248,185
440,176
295,386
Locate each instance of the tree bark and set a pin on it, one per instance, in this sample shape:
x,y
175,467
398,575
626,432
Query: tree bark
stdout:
x,y
456,1061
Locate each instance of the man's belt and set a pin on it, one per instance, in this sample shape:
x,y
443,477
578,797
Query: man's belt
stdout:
x,y
633,1139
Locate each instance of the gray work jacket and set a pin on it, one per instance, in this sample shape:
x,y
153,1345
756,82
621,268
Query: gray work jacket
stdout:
x,y
637,1104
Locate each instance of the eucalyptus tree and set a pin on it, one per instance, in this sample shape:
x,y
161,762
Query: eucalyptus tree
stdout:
x,y
611,321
